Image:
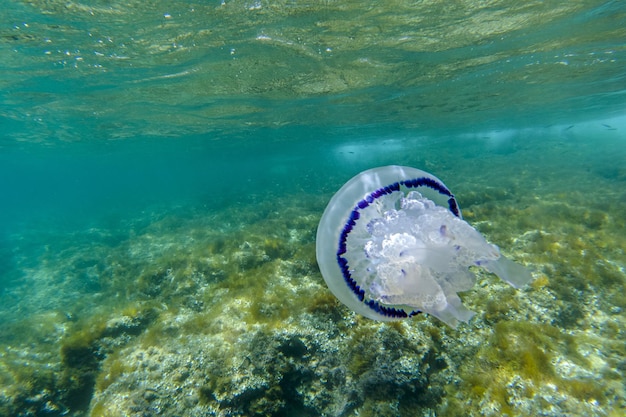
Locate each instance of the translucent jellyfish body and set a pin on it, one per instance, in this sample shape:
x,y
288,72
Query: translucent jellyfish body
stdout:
x,y
392,243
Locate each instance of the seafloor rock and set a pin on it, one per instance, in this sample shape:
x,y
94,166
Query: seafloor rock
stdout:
x,y
310,369
187,322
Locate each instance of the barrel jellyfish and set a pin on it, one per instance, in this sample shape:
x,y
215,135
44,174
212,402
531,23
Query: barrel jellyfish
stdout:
x,y
392,243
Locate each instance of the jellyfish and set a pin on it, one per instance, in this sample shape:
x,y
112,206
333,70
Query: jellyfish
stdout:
x,y
392,243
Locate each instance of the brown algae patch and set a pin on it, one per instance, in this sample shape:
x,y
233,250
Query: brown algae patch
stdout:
x,y
520,367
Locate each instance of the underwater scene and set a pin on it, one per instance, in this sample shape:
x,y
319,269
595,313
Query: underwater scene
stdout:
x,y
164,167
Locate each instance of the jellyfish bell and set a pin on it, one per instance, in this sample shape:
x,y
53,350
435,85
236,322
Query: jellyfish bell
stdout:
x,y
392,243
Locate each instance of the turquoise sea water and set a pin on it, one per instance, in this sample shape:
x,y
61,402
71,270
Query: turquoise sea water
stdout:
x,y
163,167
